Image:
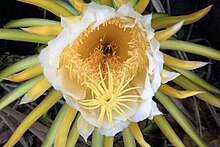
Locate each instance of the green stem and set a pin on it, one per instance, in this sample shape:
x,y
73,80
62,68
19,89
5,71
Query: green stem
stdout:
x,y
19,66
180,118
190,48
128,138
17,92
97,139
19,35
49,139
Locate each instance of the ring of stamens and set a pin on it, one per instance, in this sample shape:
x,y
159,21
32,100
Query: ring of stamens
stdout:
x,y
109,98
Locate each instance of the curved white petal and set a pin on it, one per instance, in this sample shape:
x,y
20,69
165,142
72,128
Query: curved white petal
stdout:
x,y
117,128
71,87
127,10
143,111
168,76
145,21
154,110
84,128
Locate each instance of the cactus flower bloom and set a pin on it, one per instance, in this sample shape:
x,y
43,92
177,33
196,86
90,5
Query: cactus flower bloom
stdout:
x,y
108,66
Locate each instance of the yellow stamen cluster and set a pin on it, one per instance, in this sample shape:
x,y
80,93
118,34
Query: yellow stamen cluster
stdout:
x,y
109,98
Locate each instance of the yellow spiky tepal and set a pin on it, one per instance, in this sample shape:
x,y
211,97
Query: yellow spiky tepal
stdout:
x,y
108,62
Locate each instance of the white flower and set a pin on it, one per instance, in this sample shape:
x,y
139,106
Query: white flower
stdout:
x,y
108,66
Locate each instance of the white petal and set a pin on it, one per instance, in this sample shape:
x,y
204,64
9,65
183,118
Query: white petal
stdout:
x,y
142,80
148,91
117,128
154,110
143,111
127,10
168,76
49,71
100,13
151,65
156,79
69,86
71,102
84,128
145,21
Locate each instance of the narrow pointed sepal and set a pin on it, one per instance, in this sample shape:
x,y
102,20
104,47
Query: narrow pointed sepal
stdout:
x,y
64,127
26,74
189,47
135,130
50,137
180,94
50,6
117,3
141,5
179,117
182,64
198,80
107,2
108,141
20,35
36,91
43,107
30,22
78,4
18,66
167,130
18,91
167,33
48,30
164,22
73,134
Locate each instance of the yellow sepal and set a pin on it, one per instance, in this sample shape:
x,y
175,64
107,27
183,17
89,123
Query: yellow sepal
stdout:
x,y
39,88
64,127
50,6
48,30
78,4
43,107
108,141
26,74
141,5
167,33
107,2
180,94
73,134
164,22
135,130
182,64
118,3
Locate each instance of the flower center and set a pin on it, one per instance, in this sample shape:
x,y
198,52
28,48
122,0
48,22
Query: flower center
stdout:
x,y
112,43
